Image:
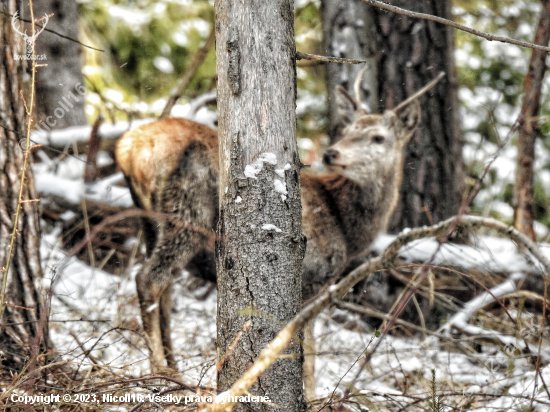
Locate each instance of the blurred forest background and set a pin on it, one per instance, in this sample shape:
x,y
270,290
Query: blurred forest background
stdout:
x,y
131,58
150,44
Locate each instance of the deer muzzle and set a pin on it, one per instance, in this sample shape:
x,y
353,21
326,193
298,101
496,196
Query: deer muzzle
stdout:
x,y
330,157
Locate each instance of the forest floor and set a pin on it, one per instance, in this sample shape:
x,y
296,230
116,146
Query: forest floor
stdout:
x,y
95,324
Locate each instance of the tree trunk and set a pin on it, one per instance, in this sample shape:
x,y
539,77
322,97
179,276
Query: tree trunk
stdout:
x,y
349,32
260,246
529,128
411,52
56,82
23,328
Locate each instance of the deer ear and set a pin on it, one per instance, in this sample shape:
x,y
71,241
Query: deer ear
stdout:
x,y
408,119
345,106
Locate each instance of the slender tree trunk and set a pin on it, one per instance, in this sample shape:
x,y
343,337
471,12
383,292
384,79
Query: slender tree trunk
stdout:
x,y
23,330
411,52
260,246
349,32
530,128
55,83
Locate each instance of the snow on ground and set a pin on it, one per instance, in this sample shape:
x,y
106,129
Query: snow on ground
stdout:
x,y
100,311
490,253
97,312
499,381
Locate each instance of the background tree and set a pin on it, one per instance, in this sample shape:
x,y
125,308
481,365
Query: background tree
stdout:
x,y
530,129
410,53
23,328
260,246
63,67
349,32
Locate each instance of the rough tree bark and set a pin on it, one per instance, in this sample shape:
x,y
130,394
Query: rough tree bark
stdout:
x,y
260,246
529,128
349,32
21,332
63,72
410,53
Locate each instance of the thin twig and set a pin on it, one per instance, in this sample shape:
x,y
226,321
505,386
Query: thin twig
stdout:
x,y
189,74
331,397
145,378
542,325
21,377
327,59
231,347
86,352
490,37
53,32
134,213
5,270
342,304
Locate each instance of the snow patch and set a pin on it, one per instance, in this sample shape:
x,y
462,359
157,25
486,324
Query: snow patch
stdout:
x,y
491,253
163,64
238,199
253,169
269,226
48,184
281,172
152,307
280,187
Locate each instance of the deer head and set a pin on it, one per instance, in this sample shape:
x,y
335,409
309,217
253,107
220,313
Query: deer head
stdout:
x,y
28,39
372,144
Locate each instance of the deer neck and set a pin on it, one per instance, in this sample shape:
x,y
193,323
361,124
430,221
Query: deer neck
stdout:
x,y
363,210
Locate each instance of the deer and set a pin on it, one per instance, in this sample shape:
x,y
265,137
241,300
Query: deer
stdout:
x,y
171,167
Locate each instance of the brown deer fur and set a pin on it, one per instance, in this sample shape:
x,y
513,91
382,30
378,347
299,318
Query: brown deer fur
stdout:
x,y
171,166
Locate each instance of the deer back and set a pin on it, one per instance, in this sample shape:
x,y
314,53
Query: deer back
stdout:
x,y
149,154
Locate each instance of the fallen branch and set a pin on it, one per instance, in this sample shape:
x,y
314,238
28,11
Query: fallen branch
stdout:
x,y
271,353
460,320
352,307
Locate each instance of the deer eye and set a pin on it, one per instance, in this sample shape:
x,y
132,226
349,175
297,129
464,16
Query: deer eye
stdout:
x,y
378,139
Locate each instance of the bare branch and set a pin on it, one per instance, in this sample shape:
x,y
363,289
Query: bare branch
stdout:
x,y
43,27
23,173
457,26
460,319
327,59
189,74
338,291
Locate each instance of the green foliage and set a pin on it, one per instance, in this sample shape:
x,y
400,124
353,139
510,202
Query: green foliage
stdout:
x,y
148,44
